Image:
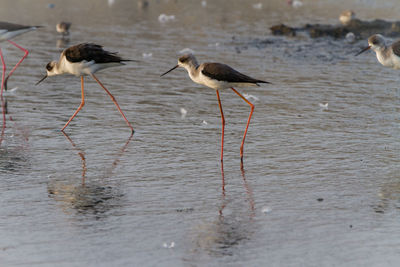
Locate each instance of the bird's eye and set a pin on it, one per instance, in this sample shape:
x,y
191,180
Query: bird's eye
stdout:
x,y
183,60
49,66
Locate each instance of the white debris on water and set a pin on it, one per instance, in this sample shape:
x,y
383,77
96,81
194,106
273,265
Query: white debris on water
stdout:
x,y
111,3
163,18
183,113
172,245
350,37
204,122
248,97
147,55
214,44
323,105
257,6
266,210
295,3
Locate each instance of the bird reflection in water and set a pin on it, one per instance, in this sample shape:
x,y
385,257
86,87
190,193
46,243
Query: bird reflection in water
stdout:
x,y
62,42
14,148
81,155
389,196
3,112
18,130
233,226
92,197
13,156
249,192
3,104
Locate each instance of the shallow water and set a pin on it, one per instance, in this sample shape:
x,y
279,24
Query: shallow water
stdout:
x,y
321,186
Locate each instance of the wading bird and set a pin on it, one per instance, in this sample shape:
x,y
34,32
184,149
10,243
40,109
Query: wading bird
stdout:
x,y
218,76
388,56
85,59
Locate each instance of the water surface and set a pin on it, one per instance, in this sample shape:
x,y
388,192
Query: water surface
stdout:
x,y
320,186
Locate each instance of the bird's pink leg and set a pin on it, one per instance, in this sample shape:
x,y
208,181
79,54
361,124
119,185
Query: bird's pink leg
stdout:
x,y
248,122
4,72
80,106
16,66
223,126
114,100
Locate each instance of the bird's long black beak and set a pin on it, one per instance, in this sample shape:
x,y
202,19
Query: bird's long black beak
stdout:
x,y
362,51
41,80
169,70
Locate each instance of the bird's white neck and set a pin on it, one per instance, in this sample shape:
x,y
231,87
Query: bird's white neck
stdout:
x,y
58,69
192,70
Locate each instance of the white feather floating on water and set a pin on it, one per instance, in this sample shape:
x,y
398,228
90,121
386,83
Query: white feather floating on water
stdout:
x,y
214,44
111,3
266,210
295,3
248,97
147,55
163,18
350,37
323,105
183,113
257,6
172,245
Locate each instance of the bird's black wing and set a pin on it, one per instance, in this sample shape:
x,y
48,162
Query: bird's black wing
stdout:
x,y
90,52
222,72
12,26
396,48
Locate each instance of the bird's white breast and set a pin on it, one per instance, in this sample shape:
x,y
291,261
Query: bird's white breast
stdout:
x,y
385,59
77,68
387,62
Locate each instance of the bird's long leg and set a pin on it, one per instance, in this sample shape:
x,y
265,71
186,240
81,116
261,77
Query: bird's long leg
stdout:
x,y
16,66
114,100
248,122
223,126
4,72
80,106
